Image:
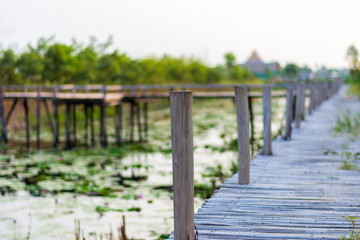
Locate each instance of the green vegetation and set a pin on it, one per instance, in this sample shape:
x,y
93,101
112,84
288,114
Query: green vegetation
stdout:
x,y
355,233
348,124
354,78
50,62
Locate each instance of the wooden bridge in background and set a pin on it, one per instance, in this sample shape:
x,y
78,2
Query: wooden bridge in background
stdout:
x,y
90,96
293,189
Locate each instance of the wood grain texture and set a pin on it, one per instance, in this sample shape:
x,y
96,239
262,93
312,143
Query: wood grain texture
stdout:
x,y
183,164
266,150
242,112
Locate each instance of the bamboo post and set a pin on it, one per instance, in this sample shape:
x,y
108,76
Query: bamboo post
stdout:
x,y
2,116
56,118
298,106
103,135
288,114
319,97
251,112
293,106
131,119
138,114
183,164
86,113
67,126
146,125
303,98
242,111
27,123
38,118
74,123
326,89
312,98
267,120
92,129
118,112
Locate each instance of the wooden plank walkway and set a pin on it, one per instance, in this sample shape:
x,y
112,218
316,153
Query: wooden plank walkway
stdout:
x,y
297,193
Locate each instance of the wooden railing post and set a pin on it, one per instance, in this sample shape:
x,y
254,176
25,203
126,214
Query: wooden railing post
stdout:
x,y
288,114
56,118
183,164
2,117
319,93
298,106
312,98
267,120
38,116
242,110
303,98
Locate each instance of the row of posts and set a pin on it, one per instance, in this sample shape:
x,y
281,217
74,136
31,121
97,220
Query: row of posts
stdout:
x,y
182,140
70,119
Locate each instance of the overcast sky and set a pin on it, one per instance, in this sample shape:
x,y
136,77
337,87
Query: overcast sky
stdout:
x,y
313,32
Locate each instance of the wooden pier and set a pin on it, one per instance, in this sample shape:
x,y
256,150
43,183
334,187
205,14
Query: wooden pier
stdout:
x,y
296,192
89,97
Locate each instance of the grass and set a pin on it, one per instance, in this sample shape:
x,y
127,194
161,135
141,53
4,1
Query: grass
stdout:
x,y
355,233
348,124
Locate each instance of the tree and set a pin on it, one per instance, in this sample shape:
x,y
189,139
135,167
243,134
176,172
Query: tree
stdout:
x,y
352,54
229,60
291,70
8,69
30,65
59,64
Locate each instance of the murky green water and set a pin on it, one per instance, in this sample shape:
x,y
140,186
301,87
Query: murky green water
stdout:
x,y
44,192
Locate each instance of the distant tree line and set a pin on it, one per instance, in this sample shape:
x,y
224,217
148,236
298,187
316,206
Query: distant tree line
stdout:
x,y
51,62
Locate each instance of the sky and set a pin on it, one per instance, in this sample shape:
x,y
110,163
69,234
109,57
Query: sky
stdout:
x,y
316,32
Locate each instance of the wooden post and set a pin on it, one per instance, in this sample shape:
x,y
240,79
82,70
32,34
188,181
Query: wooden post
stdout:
x,y
56,118
288,114
312,98
183,164
27,123
103,135
131,118
326,89
242,112
138,114
67,126
303,98
267,120
251,112
92,129
38,118
146,125
74,123
2,116
294,106
86,113
320,92
118,112
298,107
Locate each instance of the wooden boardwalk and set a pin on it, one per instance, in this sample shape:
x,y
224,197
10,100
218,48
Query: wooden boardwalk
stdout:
x,y
297,193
